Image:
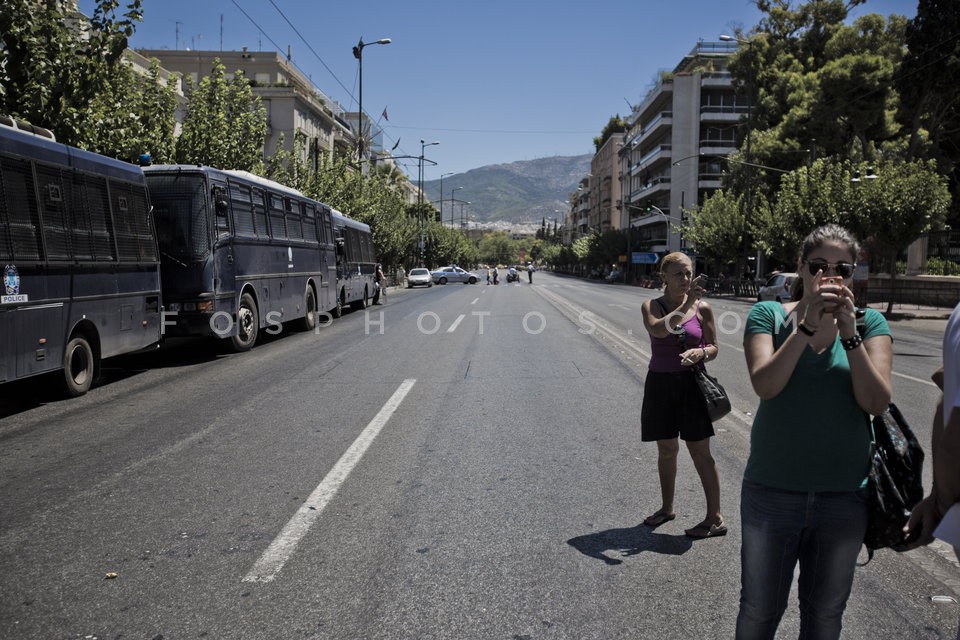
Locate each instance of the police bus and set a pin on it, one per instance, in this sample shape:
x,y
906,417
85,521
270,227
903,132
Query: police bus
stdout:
x,y
81,275
241,254
356,263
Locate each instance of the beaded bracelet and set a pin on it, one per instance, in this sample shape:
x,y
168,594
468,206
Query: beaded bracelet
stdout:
x,y
849,344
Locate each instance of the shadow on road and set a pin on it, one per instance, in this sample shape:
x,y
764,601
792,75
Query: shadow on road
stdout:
x,y
629,541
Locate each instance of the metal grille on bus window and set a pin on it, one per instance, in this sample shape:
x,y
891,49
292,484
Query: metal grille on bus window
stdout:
x,y
21,203
98,207
242,210
81,241
277,227
260,214
124,223
56,227
143,224
292,209
309,223
6,250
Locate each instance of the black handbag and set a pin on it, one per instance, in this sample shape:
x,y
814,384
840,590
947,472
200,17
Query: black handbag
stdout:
x,y
714,395
894,481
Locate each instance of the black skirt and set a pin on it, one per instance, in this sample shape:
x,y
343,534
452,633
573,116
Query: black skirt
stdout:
x,y
673,406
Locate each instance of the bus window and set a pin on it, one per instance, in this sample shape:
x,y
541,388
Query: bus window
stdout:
x,y
242,210
94,195
278,229
56,240
294,228
309,223
180,213
21,205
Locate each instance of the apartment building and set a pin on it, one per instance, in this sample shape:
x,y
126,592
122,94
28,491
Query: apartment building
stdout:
x,y
293,104
672,157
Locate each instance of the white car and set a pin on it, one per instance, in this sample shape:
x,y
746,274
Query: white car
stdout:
x,y
454,274
419,278
778,287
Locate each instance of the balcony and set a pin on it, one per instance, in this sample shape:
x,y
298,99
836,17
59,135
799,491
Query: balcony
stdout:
x,y
658,152
661,120
721,113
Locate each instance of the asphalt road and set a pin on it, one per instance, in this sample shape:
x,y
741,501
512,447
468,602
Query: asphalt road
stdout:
x,y
461,462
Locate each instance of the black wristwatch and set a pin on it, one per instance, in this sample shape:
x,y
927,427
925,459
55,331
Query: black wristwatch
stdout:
x,y
804,330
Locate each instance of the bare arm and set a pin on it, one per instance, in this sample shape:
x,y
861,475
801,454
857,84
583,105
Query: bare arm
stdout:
x,y
661,327
770,369
870,366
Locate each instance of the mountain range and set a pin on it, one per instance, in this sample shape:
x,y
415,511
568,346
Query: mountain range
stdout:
x,y
523,192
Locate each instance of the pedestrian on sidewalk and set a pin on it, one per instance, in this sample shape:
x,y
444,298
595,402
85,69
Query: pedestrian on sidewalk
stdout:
x,y
380,284
682,333
804,497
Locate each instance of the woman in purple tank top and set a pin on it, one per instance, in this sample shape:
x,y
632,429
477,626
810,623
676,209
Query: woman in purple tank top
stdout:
x,y
682,333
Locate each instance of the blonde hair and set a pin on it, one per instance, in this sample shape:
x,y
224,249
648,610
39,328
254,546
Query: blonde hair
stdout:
x,y
677,257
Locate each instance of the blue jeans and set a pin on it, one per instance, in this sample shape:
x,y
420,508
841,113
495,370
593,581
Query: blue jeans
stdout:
x,y
823,531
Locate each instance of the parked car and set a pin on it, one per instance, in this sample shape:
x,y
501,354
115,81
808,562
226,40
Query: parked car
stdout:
x,y
778,287
454,274
419,278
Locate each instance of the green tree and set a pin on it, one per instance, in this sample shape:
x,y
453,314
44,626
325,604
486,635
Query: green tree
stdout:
x,y
903,201
65,72
808,197
496,248
718,227
929,85
133,115
225,124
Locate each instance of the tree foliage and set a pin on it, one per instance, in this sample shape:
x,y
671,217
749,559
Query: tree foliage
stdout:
x,y
718,227
225,125
67,74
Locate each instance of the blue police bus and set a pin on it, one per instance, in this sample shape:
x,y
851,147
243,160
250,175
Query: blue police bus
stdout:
x,y
81,274
241,254
356,263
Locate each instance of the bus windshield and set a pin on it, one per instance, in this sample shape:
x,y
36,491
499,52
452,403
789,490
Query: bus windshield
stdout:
x,y
180,215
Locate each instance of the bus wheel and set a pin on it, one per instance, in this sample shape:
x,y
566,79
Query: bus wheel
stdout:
x,y
309,321
337,311
78,367
248,324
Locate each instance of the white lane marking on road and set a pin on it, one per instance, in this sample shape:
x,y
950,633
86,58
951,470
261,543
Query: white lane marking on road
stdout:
x,y
920,380
283,546
456,323
475,300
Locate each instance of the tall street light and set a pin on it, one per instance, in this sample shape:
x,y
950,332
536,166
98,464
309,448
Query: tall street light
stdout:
x,y
423,145
358,54
452,200
441,193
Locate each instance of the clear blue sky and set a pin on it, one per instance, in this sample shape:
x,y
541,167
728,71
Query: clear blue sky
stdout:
x,y
494,81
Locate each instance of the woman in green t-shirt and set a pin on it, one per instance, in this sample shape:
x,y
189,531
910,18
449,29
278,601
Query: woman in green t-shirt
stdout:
x,y
803,498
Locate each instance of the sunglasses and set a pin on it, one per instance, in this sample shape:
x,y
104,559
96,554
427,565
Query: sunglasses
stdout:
x,y
842,269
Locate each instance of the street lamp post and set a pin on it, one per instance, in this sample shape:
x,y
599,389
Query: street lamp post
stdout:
x,y
423,145
452,191
441,193
358,54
